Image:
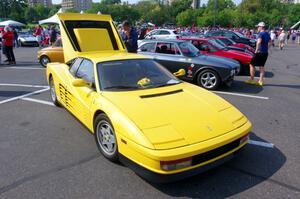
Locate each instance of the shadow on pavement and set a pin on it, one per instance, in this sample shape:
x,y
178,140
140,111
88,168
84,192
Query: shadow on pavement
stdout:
x,y
12,93
253,166
284,86
242,87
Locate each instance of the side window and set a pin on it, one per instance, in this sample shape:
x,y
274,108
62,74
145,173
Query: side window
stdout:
x,y
58,43
228,34
164,32
86,71
149,47
196,44
167,48
75,65
203,47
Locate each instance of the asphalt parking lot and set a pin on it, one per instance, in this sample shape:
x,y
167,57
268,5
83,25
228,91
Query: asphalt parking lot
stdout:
x,y
46,153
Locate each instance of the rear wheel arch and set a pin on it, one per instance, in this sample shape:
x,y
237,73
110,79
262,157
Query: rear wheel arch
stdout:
x,y
202,69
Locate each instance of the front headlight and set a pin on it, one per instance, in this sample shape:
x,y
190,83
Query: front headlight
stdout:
x,y
232,72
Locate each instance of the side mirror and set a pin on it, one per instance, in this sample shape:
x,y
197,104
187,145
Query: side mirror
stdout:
x,y
81,83
179,73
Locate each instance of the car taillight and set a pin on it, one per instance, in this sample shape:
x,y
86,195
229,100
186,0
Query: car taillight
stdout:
x,y
244,139
175,164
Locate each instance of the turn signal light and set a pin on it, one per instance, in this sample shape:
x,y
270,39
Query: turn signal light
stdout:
x,y
176,164
244,139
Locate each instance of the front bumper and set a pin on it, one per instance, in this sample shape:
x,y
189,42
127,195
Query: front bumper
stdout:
x,y
29,43
167,178
205,155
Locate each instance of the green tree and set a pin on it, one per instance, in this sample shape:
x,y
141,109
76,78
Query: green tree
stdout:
x,y
188,17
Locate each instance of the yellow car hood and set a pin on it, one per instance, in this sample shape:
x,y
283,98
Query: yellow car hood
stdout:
x,y
177,115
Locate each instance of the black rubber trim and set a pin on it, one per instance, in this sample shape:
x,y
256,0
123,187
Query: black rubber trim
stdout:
x,y
161,94
168,178
203,157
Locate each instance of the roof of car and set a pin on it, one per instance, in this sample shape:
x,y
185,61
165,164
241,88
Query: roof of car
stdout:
x,y
162,40
194,38
165,29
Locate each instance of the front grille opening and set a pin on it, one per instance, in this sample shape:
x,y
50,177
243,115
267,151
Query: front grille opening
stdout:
x,y
203,157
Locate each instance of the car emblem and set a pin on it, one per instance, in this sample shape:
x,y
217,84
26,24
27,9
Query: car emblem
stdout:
x,y
209,128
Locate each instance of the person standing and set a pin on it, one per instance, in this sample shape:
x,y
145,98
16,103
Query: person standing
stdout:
x,y
16,36
273,36
261,55
38,34
281,39
53,35
130,37
8,37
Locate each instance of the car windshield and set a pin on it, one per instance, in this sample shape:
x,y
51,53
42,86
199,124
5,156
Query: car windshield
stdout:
x,y
188,49
230,40
221,43
125,75
216,44
240,34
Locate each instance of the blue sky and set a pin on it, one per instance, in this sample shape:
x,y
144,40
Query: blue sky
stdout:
x,y
134,1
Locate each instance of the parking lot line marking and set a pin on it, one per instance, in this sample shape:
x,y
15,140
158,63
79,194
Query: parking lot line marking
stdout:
x,y
38,101
24,85
23,68
263,144
242,95
25,95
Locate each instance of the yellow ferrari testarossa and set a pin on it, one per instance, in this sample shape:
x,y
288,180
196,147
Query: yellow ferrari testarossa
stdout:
x,y
141,114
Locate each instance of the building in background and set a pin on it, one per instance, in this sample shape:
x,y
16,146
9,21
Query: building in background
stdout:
x,y
76,4
196,4
46,3
290,1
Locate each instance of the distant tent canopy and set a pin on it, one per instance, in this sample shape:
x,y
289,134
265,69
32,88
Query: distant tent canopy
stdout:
x,y
11,23
51,20
295,25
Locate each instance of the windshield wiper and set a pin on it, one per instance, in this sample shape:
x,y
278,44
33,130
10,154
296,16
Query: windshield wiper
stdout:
x,y
163,85
122,87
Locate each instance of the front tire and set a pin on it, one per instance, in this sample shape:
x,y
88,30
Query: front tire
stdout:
x,y
106,138
208,79
52,92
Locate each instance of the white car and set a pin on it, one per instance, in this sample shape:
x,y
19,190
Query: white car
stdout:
x,y
162,34
27,40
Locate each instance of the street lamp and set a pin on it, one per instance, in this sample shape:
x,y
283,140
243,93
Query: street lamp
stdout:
x,y
215,12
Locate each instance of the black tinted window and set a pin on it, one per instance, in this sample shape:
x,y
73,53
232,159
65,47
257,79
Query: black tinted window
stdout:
x,y
86,71
149,47
167,48
164,32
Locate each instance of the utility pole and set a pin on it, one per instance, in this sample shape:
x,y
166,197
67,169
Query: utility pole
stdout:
x,y
216,10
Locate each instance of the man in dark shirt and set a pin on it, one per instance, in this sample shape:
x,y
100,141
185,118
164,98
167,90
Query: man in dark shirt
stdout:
x,y
130,37
261,55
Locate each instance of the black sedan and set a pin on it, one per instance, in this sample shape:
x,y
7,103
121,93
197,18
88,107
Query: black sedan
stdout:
x,y
205,70
235,36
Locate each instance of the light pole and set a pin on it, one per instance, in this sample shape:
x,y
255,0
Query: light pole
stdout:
x,y
215,12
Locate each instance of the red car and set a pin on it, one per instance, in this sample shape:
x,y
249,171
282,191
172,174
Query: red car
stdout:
x,y
230,42
211,47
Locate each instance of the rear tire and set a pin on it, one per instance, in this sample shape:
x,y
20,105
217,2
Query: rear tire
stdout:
x,y
208,79
44,60
106,138
53,92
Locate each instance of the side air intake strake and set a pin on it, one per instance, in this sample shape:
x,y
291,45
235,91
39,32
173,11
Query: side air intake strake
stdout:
x,y
161,94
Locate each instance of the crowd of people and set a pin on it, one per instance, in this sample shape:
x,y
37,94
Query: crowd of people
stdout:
x,y
48,35
9,39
